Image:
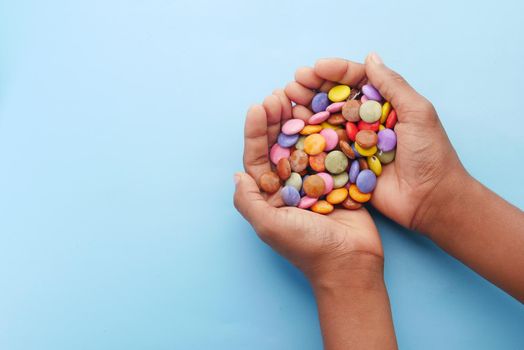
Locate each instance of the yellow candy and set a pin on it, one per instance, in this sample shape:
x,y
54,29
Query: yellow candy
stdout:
x,y
326,125
337,196
386,108
366,152
381,127
314,144
311,129
358,196
339,93
375,165
322,207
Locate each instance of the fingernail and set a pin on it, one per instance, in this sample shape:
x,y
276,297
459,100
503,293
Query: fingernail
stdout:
x,y
375,58
236,178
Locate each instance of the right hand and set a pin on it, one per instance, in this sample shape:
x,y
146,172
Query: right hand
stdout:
x,y
409,191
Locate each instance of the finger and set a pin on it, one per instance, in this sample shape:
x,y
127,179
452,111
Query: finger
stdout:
x,y
327,85
302,112
394,88
307,77
249,202
299,94
340,70
273,109
256,160
285,104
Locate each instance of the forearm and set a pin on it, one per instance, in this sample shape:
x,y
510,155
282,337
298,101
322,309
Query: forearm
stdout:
x,y
354,312
482,230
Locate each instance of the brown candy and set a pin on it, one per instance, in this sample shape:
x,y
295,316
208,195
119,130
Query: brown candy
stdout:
x,y
283,169
298,160
363,164
350,204
354,94
346,149
317,162
314,186
269,182
342,135
366,138
350,110
336,119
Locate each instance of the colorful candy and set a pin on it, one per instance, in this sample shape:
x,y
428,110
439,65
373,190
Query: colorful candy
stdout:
x,y
335,158
290,196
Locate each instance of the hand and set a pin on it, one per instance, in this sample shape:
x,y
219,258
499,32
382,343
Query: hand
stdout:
x,y
325,248
426,163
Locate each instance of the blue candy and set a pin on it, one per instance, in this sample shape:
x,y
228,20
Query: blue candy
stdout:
x,y
354,169
287,141
366,181
290,196
320,102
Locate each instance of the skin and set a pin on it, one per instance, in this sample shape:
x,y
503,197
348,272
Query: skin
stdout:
x,y
425,189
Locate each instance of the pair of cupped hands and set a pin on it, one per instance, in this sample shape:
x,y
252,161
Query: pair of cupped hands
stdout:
x,y
329,249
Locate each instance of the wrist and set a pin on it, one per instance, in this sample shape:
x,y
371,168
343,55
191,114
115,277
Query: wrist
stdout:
x,y
355,270
445,199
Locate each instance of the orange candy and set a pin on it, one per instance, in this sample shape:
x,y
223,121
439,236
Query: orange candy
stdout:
x,y
337,196
322,207
311,129
358,196
317,162
314,144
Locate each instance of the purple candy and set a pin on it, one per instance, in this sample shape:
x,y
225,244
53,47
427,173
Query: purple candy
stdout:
x,y
387,140
371,93
366,181
354,169
290,196
357,155
287,141
320,102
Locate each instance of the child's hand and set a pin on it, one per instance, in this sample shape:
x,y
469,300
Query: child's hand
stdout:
x,y
325,248
425,161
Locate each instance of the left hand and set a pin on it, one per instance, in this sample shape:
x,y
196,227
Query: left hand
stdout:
x,y
325,247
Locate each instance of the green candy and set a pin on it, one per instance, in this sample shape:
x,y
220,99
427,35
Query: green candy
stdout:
x,y
295,180
336,162
386,157
300,143
340,180
370,111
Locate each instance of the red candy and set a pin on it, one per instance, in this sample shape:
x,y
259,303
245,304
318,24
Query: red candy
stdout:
x,y
362,125
351,131
391,119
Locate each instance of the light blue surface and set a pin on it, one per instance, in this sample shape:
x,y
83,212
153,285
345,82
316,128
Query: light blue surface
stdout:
x,y
121,127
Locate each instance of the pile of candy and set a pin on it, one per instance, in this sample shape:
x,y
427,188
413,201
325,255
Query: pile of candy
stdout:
x,y
336,157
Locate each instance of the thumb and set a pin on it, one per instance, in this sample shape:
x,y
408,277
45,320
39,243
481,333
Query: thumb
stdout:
x,y
249,201
393,87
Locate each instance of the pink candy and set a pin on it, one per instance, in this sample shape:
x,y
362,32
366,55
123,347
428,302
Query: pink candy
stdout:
x,y
328,181
293,126
307,202
335,107
318,118
278,152
331,138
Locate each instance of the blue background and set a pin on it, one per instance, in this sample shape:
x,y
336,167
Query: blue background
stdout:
x,y
121,127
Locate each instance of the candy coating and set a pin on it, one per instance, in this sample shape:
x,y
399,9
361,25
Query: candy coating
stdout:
x,y
290,196
322,207
293,126
370,111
